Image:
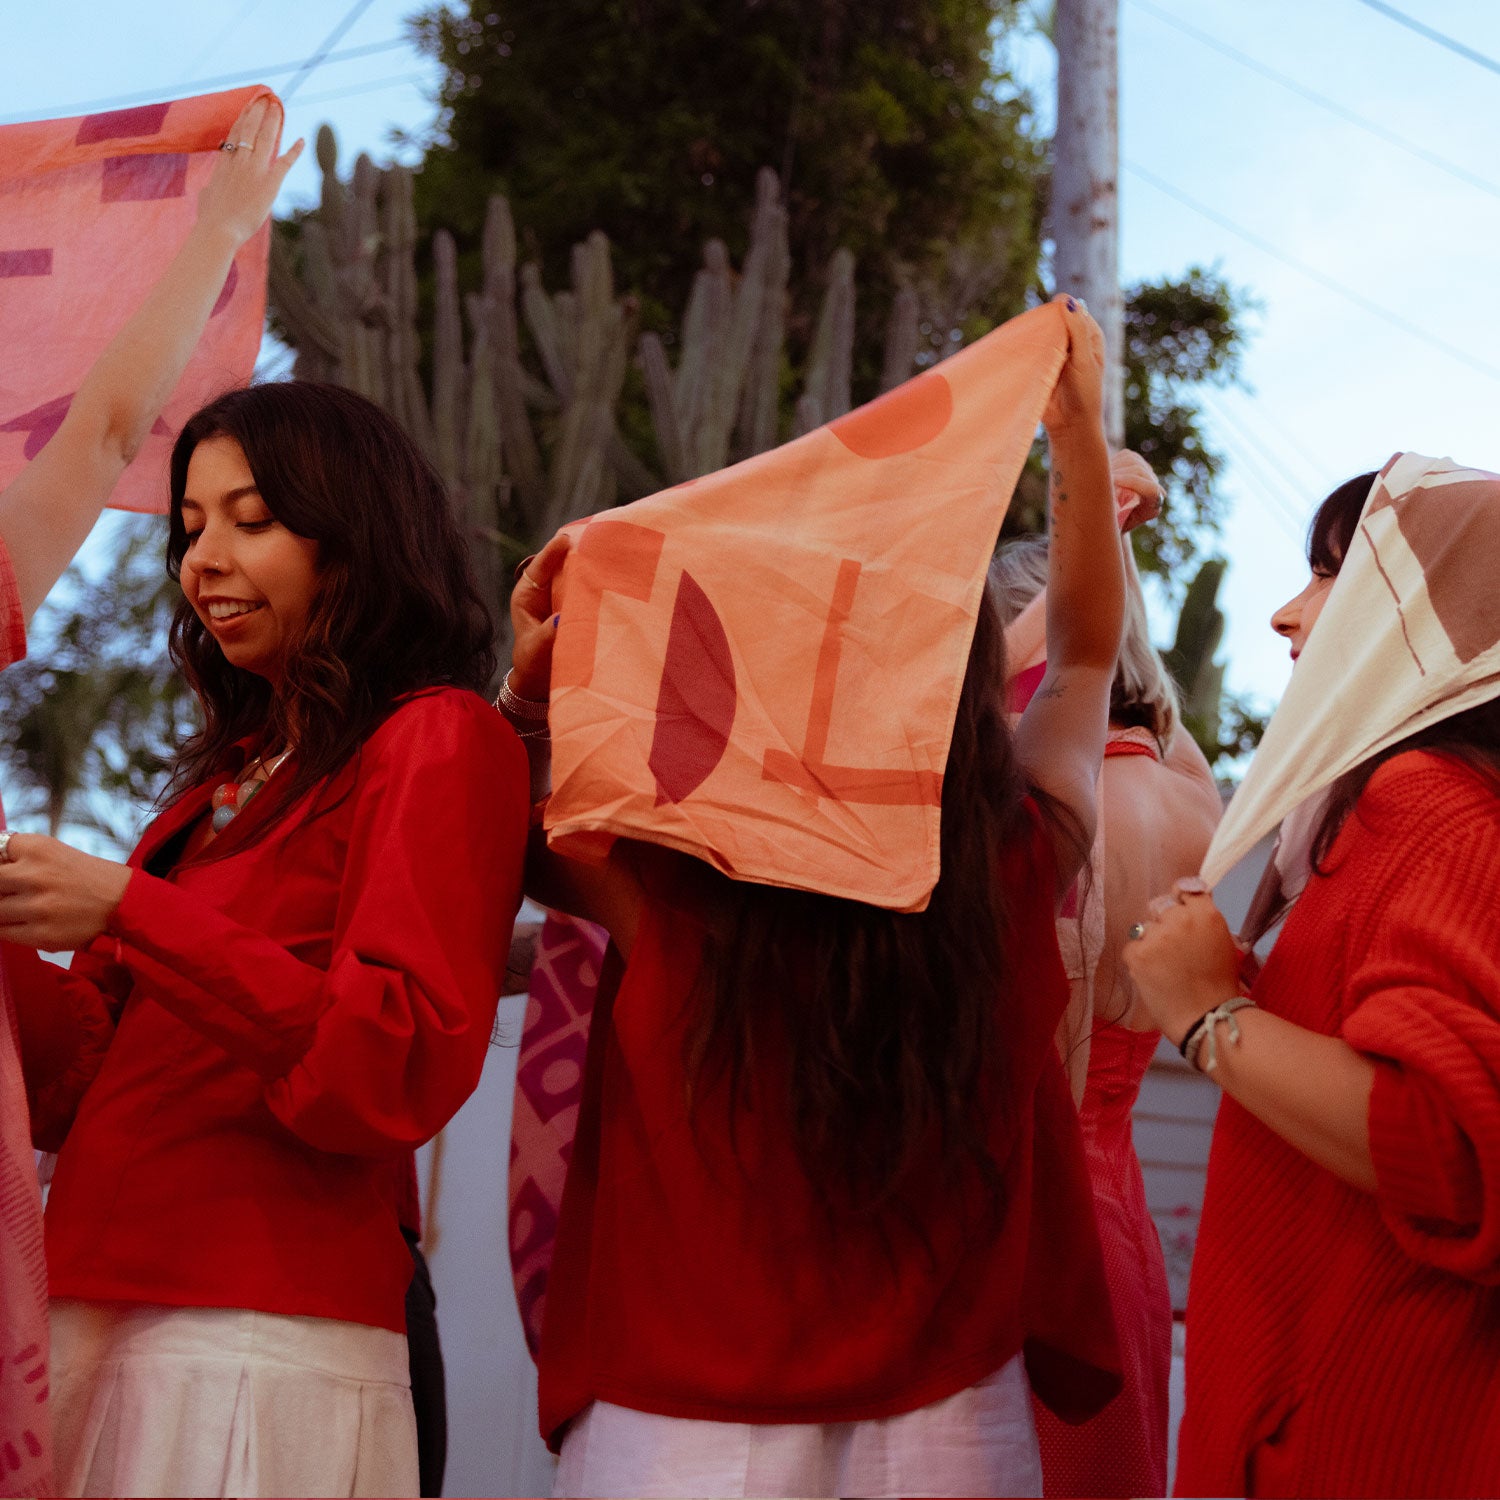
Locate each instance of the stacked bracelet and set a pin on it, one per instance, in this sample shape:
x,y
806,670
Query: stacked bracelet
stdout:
x,y
519,711
1202,1034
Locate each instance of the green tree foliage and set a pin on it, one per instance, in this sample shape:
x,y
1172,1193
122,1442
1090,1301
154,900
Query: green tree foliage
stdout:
x,y
96,710
1180,334
649,119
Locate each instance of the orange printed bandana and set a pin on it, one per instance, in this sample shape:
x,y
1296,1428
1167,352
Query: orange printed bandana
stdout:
x,y
762,667
92,211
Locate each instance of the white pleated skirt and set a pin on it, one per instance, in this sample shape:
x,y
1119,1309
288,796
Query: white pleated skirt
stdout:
x,y
223,1401
981,1441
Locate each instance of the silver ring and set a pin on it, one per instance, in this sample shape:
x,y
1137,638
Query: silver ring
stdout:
x,y
1136,931
235,146
6,857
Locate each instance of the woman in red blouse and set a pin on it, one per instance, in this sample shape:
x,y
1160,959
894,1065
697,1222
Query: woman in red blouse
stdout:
x,y
289,987
827,1221
1343,1322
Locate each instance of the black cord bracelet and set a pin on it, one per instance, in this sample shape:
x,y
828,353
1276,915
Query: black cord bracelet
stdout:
x,y
1192,1032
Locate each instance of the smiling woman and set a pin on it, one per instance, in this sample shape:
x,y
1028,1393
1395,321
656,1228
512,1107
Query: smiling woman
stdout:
x,y
289,988
248,578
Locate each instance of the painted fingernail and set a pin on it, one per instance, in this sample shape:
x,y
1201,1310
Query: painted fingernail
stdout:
x,y
1072,305
555,619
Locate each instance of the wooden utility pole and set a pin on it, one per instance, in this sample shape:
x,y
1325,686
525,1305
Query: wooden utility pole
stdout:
x,y
1085,179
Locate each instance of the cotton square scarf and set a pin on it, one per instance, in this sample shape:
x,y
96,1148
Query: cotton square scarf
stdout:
x,y
762,667
1409,635
92,211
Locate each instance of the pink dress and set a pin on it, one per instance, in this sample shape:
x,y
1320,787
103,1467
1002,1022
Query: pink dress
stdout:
x,y
1122,1451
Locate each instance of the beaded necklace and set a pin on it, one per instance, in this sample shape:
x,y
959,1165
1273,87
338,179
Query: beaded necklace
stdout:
x,y
231,797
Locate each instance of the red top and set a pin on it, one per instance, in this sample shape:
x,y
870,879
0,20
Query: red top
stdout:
x,y
1123,1450
1341,1342
695,1275
288,1022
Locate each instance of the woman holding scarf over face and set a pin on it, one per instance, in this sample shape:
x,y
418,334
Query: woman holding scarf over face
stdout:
x,y
828,1184
1344,1315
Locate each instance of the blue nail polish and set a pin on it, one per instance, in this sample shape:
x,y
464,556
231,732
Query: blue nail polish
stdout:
x,y
1072,305
555,619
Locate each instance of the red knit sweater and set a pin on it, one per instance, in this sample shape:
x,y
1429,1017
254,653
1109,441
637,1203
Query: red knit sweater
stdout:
x,y
1343,1343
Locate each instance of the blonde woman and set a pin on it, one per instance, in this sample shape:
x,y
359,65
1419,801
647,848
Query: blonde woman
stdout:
x,y
1158,807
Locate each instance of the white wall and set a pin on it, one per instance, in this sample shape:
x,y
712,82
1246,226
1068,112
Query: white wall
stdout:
x,y
493,1444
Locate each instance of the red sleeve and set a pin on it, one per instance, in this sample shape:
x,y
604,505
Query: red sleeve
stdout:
x,y
1424,1004
65,1021
378,1052
12,618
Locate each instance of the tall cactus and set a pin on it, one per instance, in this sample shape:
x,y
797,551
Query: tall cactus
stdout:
x,y
521,449
1200,679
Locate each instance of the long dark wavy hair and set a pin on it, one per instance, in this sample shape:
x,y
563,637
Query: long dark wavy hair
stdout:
x,y
1471,737
888,1020
396,608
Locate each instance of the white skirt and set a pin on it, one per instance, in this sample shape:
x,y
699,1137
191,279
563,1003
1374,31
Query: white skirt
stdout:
x,y
223,1401
981,1441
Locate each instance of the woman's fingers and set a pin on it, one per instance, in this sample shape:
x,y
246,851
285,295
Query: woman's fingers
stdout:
x,y
267,129
533,590
550,559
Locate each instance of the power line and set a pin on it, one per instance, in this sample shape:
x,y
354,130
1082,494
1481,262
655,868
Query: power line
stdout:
x,y
1322,100
1313,274
388,82
1440,37
320,56
180,90
1274,478
1298,483
1322,473
223,35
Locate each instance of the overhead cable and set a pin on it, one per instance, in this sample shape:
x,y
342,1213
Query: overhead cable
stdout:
x,y
1442,38
201,85
1322,278
1484,184
321,54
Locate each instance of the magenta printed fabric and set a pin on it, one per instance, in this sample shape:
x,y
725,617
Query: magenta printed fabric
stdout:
x,y
92,211
549,1087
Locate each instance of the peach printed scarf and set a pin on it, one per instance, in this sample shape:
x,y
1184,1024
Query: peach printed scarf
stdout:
x,y
761,667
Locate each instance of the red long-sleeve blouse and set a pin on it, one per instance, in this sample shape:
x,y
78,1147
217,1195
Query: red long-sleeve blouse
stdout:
x,y
287,1019
1341,1342
697,1274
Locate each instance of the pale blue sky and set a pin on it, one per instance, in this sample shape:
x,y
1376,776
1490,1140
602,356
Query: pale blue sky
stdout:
x,y
1319,202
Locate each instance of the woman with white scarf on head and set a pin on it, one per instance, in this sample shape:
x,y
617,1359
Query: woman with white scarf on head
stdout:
x,y
1343,1319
